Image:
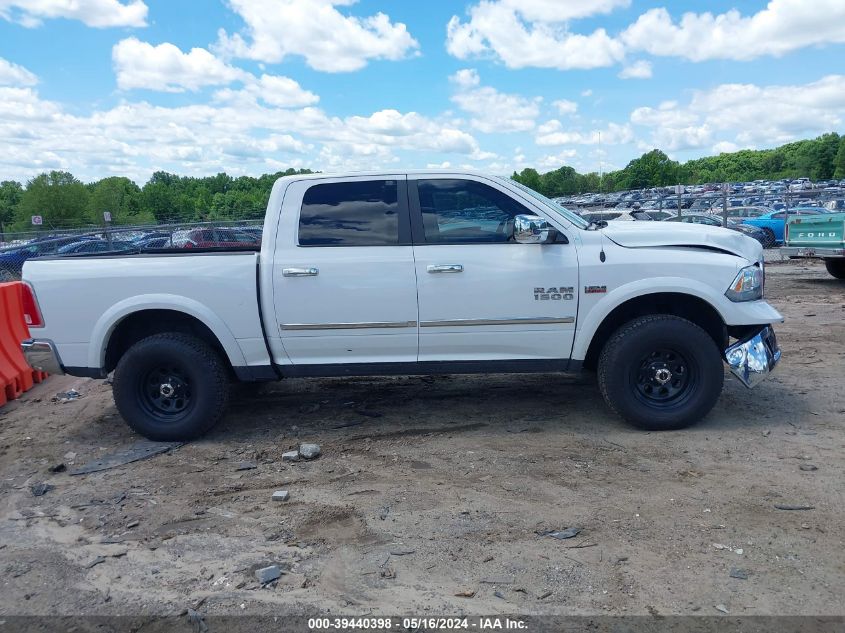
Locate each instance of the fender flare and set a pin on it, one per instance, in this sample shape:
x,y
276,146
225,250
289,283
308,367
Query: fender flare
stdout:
x,y
108,322
593,319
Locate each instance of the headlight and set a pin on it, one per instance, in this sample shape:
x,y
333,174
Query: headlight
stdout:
x,y
748,285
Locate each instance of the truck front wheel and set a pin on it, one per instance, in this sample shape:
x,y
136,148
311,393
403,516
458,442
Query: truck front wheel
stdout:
x,y
836,267
171,387
660,372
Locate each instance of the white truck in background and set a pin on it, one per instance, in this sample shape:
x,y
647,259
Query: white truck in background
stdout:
x,y
413,272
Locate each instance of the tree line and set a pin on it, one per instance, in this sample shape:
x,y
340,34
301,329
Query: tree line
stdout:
x,y
64,201
822,158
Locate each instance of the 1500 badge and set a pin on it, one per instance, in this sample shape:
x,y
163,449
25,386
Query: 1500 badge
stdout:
x,y
555,293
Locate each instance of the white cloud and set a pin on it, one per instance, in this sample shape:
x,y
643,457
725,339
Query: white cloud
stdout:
x,y
555,161
638,70
564,106
587,93
491,110
241,134
562,10
553,133
14,75
745,115
96,13
539,33
274,90
166,68
725,147
328,40
533,34
783,26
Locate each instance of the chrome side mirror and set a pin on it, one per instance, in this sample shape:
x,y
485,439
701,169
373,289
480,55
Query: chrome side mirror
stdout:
x,y
532,229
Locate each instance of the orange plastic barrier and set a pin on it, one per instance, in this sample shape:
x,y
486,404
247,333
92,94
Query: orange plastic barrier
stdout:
x,y
16,376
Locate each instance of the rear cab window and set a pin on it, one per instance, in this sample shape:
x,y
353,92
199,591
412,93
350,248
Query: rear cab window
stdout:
x,y
356,213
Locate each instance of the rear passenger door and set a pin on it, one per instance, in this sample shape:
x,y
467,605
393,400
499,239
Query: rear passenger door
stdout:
x,y
344,279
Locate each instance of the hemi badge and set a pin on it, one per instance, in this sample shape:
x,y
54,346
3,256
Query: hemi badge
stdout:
x,y
595,290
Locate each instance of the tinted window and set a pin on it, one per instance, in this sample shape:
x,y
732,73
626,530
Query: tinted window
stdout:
x,y
350,214
466,212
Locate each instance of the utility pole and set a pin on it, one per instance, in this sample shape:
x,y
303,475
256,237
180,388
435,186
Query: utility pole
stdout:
x,y
725,204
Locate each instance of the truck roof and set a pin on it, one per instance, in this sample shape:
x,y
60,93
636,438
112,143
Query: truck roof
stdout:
x,y
389,172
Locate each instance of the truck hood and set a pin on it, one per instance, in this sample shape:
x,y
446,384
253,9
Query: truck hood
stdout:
x,y
663,234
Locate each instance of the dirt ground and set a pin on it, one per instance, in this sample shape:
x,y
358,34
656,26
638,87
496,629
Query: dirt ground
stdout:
x,y
430,488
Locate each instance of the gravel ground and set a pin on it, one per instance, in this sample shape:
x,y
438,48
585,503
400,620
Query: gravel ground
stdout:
x,y
432,495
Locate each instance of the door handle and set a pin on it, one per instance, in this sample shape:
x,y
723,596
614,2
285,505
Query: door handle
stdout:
x,y
445,268
300,272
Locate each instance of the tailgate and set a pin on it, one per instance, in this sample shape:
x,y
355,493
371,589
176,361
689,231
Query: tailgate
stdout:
x,y
817,230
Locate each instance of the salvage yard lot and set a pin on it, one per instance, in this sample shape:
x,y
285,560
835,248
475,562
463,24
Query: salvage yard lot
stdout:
x,y
432,487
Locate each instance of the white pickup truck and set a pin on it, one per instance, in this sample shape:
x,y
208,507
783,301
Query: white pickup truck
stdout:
x,y
415,272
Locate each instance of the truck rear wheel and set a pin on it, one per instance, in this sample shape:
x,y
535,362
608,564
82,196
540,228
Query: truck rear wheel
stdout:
x,y
836,267
171,387
660,372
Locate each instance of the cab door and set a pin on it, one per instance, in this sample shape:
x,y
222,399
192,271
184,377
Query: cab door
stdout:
x,y
482,296
344,283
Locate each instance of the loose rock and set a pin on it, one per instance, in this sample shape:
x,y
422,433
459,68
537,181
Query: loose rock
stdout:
x,y
281,495
783,506
564,534
722,608
808,467
739,573
247,466
39,490
309,451
268,574
290,456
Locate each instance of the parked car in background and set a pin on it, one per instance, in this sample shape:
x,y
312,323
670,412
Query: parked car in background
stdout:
x,y
657,214
773,223
744,212
215,238
12,259
818,237
710,219
95,246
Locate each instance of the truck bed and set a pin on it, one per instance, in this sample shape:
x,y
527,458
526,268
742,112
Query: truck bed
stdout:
x,y
218,288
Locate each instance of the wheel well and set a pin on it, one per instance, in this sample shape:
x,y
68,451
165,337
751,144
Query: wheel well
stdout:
x,y
139,325
678,304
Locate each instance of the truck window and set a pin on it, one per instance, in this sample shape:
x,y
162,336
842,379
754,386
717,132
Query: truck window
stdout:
x,y
362,213
466,212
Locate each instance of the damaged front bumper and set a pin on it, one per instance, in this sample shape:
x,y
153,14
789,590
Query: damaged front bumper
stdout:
x,y
754,358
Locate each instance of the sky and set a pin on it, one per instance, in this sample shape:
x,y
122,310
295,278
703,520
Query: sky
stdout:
x,y
128,87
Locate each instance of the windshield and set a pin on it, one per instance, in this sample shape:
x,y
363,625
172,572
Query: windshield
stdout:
x,y
577,220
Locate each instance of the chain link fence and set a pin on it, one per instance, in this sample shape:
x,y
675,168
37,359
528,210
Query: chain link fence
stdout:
x,y
735,204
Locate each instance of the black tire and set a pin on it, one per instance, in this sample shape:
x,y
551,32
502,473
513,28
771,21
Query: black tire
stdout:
x,y
171,387
836,267
633,366
769,241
